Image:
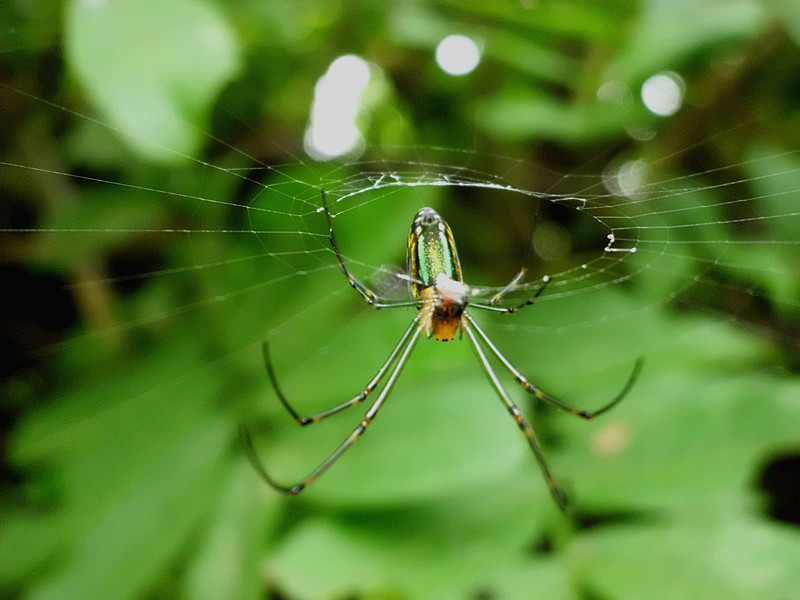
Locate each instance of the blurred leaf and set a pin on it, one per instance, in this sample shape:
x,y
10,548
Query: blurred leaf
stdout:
x,y
128,466
227,563
732,554
669,34
519,114
789,13
774,176
154,86
458,547
690,434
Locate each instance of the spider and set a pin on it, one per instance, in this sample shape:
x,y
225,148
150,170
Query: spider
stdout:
x,y
441,298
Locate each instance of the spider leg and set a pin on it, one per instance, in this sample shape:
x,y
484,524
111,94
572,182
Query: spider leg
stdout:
x,y
511,285
360,397
514,411
539,393
357,432
371,297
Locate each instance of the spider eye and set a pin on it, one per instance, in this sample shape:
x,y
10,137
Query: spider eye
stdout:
x,y
428,216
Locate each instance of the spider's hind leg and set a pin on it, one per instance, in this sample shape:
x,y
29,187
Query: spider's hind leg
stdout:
x,y
360,397
403,352
557,493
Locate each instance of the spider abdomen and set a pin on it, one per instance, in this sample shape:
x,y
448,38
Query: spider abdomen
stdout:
x,y
431,252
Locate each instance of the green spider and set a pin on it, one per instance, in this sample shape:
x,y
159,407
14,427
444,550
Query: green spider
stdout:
x,y
441,298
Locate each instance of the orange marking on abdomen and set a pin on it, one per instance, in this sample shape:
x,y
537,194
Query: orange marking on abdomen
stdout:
x,y
445,330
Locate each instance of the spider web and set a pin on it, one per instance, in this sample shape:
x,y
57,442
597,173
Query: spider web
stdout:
x,y
683,238
178,274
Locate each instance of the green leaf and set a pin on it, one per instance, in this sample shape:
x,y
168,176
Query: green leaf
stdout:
x,y
668,34
457,547
226,563
713,555
133,466
689,435
151,84
519,114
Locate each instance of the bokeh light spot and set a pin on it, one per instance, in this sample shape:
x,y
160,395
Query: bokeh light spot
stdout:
x,y
662,94
458,55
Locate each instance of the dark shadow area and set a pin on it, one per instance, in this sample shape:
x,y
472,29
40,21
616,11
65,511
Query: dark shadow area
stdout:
x,y
779,479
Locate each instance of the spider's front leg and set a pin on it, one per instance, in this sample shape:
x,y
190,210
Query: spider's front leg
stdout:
x,y
373,299
514,283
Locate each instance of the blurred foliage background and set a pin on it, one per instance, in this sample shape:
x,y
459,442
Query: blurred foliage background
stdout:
x,y
139,142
